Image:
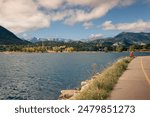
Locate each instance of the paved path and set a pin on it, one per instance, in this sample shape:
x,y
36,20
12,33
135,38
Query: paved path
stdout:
x,y
134,84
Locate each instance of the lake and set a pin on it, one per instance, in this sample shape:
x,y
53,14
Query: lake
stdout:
x,y
34,76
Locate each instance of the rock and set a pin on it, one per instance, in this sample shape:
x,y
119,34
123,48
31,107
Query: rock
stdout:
x,y
66,94
83,83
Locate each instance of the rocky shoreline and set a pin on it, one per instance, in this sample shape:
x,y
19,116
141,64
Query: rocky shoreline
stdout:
x,y
68,94
100,85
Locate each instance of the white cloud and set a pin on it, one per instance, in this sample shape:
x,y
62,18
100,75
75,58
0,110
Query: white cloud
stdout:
x,y
21,15
88,25
51,4
108,25
96,36
99,8
137,26
60,15
24,15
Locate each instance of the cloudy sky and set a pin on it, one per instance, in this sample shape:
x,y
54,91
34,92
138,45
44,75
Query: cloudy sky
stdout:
x,y
75,19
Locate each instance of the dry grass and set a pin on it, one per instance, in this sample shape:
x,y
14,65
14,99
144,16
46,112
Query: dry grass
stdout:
x,y
100,87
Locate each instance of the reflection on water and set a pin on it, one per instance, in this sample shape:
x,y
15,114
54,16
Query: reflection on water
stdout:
x,y
43,76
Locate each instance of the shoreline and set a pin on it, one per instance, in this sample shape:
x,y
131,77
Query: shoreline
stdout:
x,y
11,52
18,52
100,85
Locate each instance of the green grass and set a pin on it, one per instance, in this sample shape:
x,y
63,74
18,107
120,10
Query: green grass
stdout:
x,y
100,87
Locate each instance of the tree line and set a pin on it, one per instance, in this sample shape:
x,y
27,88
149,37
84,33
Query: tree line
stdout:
x,y
71,46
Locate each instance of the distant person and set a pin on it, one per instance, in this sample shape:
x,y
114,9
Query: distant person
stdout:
x,y
131,54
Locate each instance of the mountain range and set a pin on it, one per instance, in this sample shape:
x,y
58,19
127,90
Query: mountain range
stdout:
x,y
124,38
35,39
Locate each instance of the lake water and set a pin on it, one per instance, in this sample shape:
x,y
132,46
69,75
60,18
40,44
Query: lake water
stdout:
x,y
44,75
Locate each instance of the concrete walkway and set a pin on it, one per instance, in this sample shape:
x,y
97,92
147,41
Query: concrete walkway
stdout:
x,y
134,84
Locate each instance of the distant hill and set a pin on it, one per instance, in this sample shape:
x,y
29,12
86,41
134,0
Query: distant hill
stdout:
x,y
128,38
8,38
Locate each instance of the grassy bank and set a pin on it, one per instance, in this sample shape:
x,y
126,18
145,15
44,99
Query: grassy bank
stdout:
x,y
100,87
